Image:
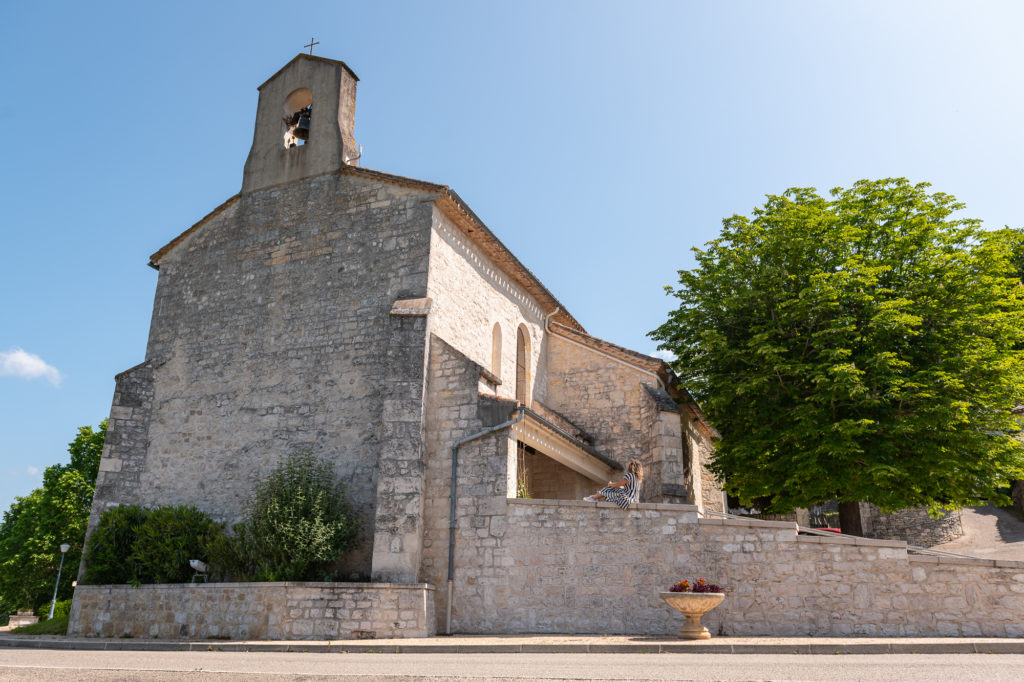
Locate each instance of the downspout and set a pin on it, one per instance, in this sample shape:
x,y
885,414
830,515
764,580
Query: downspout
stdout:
x,y
547,328
451,514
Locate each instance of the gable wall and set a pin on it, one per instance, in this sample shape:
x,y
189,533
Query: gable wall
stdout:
x,y
470,295
607,400
269,332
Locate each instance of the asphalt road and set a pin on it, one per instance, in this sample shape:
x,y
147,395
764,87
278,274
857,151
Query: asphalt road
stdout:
x,y
43,664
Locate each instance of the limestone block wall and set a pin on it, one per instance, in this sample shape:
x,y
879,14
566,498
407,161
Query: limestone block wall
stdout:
x,y
707,491
470,296
454,411
269,335
124,450
606,399
665,475
283,611
398,532
579,567
914,525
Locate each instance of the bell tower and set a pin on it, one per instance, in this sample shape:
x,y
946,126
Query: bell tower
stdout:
x,y
305,123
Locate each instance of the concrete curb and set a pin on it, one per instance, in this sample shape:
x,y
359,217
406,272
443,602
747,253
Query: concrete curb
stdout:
x,y
539,645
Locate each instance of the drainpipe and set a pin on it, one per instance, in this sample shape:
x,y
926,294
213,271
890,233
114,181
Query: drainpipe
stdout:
x,y
451,514
547,328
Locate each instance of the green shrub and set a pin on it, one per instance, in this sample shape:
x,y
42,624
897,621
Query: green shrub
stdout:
x,y
298,525
61,608
108,557
144,546
168,539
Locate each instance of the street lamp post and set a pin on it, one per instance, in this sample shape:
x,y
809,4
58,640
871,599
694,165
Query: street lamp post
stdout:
x,y
63,551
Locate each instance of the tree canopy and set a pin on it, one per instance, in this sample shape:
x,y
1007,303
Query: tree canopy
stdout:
x,y
862,347
34,527
1016,237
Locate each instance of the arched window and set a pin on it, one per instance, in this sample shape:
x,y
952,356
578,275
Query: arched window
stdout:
x,y
496,350
522,364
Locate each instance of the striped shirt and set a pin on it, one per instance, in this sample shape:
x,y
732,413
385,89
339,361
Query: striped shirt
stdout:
x,y
625,495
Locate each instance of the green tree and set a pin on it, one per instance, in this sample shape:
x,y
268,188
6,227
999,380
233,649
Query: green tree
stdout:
x,y
86,450
860,348
34,527
1016,237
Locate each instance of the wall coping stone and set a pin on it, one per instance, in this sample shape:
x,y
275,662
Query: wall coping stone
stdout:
x,y
748,523
850,540
641,506
321,585
965,561
1009,563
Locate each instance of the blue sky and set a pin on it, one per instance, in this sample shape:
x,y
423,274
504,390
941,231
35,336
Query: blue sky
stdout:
x,y
598,140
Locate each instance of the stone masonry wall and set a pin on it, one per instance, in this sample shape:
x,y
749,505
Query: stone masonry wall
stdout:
x,y
398,531
913,526
288,611
705,491
269,335
470,296
580,567
455,410
124,450
607,400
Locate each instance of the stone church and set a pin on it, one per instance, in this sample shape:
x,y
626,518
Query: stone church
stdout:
x,y
377,321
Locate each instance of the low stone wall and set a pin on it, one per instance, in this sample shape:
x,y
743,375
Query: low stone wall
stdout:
x,y
288,611
583,567
915,526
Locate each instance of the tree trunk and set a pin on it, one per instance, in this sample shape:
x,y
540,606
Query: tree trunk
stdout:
x,y
849,518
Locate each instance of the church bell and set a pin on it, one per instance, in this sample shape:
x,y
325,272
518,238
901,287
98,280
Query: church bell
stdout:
x,y
302,127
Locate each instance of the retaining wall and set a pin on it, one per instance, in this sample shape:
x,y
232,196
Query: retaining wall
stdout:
x,y
289,611
913,525
581,567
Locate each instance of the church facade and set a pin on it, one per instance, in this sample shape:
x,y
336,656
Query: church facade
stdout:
x,y
376,321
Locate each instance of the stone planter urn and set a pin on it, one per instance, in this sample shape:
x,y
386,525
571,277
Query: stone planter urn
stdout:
x,y
693,605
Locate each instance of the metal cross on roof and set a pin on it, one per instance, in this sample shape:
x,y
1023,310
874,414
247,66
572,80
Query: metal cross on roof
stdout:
x,y
312,42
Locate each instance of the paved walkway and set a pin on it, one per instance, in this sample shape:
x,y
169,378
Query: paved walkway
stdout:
x,y
989,533
577,644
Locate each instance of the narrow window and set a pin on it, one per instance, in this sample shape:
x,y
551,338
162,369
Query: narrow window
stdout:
x,y
522,365
496,350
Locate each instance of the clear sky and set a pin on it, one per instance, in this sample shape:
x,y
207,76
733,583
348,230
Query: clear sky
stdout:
x,y
599,140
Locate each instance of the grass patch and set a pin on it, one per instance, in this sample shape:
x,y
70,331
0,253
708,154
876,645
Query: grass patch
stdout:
x,y
58,625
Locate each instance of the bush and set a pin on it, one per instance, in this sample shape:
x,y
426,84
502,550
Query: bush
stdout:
x,y
298,524
61,608
109,555
135,545
168,539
